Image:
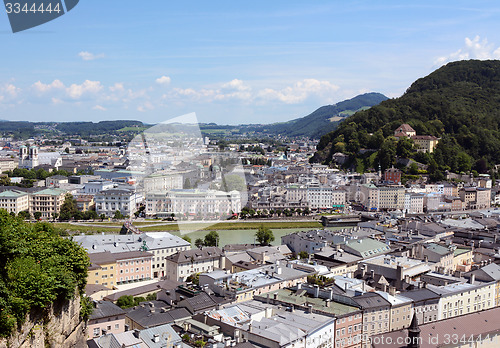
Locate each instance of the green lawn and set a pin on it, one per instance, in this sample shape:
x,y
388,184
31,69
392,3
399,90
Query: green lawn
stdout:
x,y
106,227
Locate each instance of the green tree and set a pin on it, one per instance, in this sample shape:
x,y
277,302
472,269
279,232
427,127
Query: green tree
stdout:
x,y
90,215
198,242
118,215
404,147
387,153
264,235
151,297
68,208
303,255
25,215
4,181
211,239
125,301
194,278
37,215
413,169
187,238
37,267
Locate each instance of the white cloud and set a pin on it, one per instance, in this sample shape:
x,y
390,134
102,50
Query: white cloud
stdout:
x,y
473,49
164,80
99,107
90,56
10,90
236,85
300,91
117,87
238,90
42,87
145,106
56,101
87,87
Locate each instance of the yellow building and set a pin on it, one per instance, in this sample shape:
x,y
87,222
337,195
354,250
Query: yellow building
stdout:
x,y
102,269
425,143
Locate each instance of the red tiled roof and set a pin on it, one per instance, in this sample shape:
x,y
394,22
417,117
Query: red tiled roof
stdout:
x,y
406,128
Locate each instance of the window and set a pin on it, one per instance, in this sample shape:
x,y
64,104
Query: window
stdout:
x,y
97,332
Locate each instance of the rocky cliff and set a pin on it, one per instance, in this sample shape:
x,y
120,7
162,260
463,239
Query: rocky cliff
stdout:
x,y
58,326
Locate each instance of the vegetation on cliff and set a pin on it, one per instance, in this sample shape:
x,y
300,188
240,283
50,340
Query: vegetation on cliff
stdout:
x,y
37,267
460,103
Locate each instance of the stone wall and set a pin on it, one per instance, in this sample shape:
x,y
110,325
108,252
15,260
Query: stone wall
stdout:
x,y
58,326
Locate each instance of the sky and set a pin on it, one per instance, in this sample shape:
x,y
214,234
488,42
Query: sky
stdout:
x,y
231,62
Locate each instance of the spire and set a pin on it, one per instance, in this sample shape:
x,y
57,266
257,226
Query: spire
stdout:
x,y
414,333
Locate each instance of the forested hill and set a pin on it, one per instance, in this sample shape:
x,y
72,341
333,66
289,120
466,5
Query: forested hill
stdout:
x,y
326,118
459,102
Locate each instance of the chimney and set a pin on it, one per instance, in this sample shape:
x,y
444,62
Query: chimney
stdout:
x,y
309,308
275,296
316,290
472,278
426,258
392,290
372,273
267,299
136,333
331,295
156,338
327,303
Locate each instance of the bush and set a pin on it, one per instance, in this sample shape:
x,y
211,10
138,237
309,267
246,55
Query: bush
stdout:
x,y
37,267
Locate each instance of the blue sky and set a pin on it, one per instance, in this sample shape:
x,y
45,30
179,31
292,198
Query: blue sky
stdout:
x,y
231,61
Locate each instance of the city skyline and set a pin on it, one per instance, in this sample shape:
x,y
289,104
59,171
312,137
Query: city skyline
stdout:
x,y
230,63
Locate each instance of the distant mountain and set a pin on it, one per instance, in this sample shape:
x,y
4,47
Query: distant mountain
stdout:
x,y
459,102
326,118
22,129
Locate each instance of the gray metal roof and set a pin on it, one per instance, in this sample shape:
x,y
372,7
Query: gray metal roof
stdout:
x,y
105,309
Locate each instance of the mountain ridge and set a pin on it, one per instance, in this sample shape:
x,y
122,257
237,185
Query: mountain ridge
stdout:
x,y
459,102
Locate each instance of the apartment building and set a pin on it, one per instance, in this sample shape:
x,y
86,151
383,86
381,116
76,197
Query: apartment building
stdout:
x,y
160,244
133,266
181,265
401,311
475,198
203,203
107,202
111,269
376,314
414,203
7,164
47,202
464,298
382,197
325,198
105,319
425,304
14,201
102,269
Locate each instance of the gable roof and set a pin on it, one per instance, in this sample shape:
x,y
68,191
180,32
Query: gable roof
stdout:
x,y
105,309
